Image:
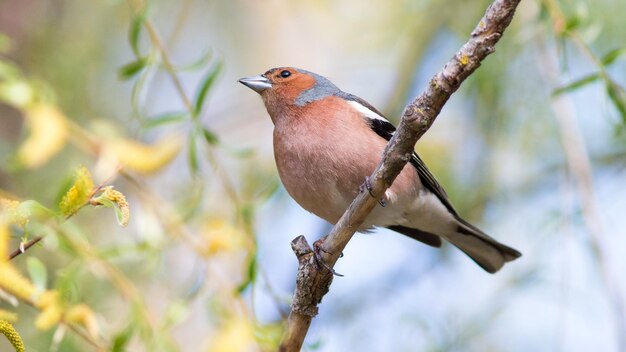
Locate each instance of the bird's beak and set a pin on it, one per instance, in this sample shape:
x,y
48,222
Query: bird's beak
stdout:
x,y
256,83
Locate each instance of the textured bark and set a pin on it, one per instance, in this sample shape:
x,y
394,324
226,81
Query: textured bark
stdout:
x,y
313,281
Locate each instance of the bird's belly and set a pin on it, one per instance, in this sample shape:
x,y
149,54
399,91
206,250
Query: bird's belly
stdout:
x,y
314,191
321,194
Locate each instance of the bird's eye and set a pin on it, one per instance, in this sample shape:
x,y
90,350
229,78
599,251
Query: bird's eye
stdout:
x,y
285,73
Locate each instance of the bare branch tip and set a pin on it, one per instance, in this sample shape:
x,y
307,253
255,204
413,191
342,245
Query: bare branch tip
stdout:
x,y
300,246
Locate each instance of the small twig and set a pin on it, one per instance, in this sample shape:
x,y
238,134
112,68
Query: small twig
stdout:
x,y
418,116
25,246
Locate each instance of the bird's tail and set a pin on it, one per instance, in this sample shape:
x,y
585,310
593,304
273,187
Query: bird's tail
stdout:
x,y
484,250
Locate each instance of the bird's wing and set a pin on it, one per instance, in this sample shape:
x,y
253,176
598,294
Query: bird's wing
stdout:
x,y
382,127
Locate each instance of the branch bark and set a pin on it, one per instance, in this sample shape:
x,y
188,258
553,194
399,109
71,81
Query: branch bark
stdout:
x,y
313,281
25,247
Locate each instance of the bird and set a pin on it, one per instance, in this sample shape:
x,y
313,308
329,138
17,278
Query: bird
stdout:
x,y
327,142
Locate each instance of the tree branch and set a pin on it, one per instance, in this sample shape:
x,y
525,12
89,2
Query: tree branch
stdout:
x,y
313,281
24,247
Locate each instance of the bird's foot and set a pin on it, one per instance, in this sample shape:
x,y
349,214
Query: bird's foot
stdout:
x,y
317,253
367,185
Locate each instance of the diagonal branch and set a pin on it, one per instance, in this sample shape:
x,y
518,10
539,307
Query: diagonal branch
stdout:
x,y
313,282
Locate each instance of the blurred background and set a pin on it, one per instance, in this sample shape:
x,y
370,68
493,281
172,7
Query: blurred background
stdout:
x,y
143,96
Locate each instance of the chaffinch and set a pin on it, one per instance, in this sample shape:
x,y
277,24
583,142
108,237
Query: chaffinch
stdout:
x,y
326,142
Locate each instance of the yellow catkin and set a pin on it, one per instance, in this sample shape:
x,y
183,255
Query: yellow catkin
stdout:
x,y
14,338
14,283
145,158
11,212
236,334
51,310
220,236
78,195
4,242
120,200
48,133
83,315
8,316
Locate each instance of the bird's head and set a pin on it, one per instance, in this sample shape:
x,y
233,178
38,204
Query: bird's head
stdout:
x,y
288,88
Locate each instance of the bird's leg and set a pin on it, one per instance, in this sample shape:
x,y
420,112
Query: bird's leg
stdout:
x,y
367,185
317,249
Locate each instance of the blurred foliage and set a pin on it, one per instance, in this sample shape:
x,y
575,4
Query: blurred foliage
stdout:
x,y
136,92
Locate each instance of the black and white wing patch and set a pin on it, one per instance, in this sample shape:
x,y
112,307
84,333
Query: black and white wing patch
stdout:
x,y
385,129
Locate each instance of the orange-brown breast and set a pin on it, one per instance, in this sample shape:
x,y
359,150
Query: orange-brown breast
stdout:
x,y
324,151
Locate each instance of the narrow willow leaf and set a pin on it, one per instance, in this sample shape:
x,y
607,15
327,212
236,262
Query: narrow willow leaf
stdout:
x,y
205,86
164,119
134,32
576,84
34,210
193,156
37,272
573,23
250,277
612,56
121,339
198,63
618,97
140,90
131,69
210,137
240,152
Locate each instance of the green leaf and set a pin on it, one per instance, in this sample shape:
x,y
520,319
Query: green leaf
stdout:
x,y
572,23
251,275
138,93
164,119
205,85
37,273
119,215
131,69
134,33
34,210
198,64
618,97
210,137
576,84
111,198
193,156
612,56
121,339
65,281
241,152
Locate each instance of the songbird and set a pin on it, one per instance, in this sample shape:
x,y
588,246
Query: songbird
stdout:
x,y
327,142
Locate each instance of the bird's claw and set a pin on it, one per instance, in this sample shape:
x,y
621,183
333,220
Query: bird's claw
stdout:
x,y
367,185
317,249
